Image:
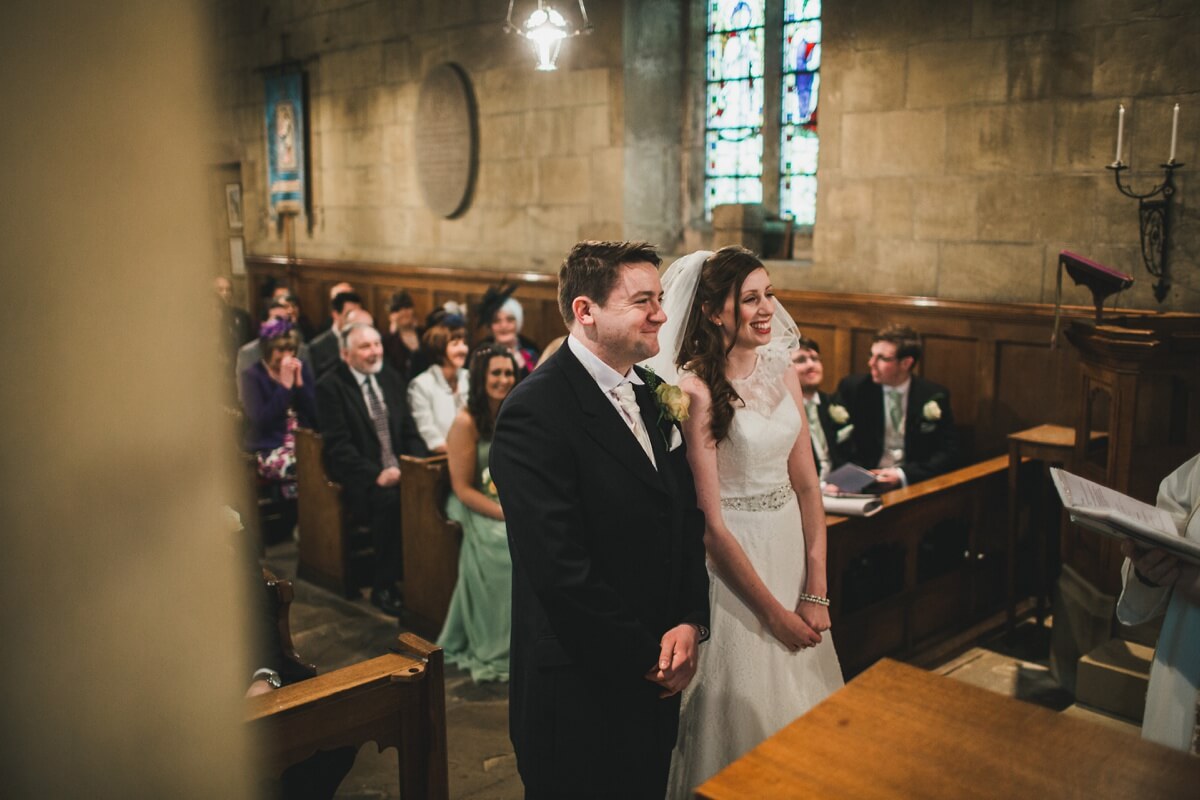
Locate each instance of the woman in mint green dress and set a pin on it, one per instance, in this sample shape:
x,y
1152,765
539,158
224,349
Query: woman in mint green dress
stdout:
x,y
475,636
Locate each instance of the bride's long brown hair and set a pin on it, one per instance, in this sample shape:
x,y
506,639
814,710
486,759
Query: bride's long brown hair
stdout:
x,y
703,349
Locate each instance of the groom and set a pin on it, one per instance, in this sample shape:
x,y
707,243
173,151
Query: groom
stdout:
x,y
610,590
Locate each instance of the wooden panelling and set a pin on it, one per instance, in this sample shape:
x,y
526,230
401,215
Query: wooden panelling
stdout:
x,y
995,358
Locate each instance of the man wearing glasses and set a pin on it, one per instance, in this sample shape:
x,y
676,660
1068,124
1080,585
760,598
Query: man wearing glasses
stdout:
x,y
903,426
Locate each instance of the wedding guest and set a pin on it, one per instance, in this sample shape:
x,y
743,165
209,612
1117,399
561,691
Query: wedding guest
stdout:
x,y
326,347
771,657
829,424
236,328
504,318
403,339
478,623
903,426
252,352
451,314
278,395
340,287
1157,583
437,394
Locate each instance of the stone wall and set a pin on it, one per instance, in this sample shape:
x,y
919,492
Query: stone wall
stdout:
x,y
964,144
551,160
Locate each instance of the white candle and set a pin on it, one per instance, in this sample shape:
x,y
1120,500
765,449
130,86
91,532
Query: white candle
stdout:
x,y
1120,131
1174,133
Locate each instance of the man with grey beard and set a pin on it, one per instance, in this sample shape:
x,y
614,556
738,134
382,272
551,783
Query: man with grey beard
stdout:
x,y
366,426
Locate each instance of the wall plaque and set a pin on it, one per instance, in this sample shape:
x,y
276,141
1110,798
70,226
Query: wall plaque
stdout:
x,y
446,140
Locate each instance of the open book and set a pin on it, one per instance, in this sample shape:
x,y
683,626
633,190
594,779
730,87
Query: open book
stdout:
x,y
852,505
1112,513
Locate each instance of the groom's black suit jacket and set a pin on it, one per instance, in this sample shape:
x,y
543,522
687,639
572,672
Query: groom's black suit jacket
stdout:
x,y
607,555
930,446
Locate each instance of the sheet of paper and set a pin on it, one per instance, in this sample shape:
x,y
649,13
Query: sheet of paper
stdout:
x,y
1077,492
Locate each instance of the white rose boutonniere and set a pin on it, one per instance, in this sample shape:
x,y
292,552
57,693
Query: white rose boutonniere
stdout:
x,y
838,414
673,402
931,411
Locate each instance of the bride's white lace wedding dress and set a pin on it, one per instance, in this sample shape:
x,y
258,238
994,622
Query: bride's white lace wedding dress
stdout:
x,y
748,685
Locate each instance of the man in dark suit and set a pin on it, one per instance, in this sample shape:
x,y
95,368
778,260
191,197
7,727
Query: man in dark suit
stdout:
x,y
610,590
828,422
903,426
326,347
366,427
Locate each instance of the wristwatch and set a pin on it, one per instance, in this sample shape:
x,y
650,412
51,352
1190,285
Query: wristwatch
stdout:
x,y
701,632
268,675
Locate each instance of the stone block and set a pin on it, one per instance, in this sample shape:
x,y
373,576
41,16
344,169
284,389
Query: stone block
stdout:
x,y
871,24
738,216
1010,17
1050,65
564,180
590,129
835,244
1016,138
504,136
903,267
502,183
893,143
1147,57
1085,135
364,146
353,25
608,185
893,208
397,144
1003,208
845,200
1091,13
356,68
500,91
399,61
548,132
1062,208
1114,677
867,80
990,272
953,73
505,229
944,209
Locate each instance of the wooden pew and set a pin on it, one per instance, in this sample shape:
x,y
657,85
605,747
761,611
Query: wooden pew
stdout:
x,y
892,588
395,700
431,542
282,594
335,553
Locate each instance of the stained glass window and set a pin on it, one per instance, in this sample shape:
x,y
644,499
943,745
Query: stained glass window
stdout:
x,y
798,122
734,119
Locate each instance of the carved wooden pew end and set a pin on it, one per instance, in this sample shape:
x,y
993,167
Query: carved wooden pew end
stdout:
x,y
431,542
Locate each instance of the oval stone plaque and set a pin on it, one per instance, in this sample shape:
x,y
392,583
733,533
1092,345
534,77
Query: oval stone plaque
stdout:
x,y
446,140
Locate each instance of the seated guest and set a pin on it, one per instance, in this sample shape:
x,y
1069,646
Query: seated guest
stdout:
x,y
504,318
326,349
403,339
828,423
1157,583
278,396
251,353
437,394
450,314
476,633
334,291
236,328
366,427
903,427
306,331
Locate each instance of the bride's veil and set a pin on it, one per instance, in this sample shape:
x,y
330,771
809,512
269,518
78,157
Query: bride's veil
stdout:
x,y
679,292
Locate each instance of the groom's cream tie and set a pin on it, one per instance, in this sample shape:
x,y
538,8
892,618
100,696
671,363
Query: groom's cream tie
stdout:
x,y
633,417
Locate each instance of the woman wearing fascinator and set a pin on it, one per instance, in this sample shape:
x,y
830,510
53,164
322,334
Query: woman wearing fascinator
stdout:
x,y
503,316
770,658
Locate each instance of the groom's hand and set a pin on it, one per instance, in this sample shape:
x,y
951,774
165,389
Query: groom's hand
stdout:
x,y
676,661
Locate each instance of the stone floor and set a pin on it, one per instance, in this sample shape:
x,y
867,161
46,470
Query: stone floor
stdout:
x,y
332,632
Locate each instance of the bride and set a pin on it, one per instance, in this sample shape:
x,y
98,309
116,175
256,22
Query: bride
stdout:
x,y
770,657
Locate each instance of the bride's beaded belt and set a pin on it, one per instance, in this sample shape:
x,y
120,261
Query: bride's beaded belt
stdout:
x,y
778,497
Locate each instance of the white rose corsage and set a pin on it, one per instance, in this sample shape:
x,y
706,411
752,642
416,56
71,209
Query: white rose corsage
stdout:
x,y
838,414
931,411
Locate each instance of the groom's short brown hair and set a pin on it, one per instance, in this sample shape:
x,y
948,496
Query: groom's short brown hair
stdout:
x,y
591,270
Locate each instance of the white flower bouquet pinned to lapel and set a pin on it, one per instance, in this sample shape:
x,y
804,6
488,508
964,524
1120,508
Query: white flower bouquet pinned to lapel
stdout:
x,y
674,406
931,413
841,418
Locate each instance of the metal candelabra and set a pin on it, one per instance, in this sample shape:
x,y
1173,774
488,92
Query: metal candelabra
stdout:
x,y
1154,222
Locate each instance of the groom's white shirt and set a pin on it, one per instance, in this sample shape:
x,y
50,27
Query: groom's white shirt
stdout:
x,y
607,378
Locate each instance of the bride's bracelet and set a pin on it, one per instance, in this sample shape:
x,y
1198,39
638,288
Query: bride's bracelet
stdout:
x,y
812,598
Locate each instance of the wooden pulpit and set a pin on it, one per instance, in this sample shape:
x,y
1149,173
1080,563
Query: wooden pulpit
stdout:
x,y
1139,418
